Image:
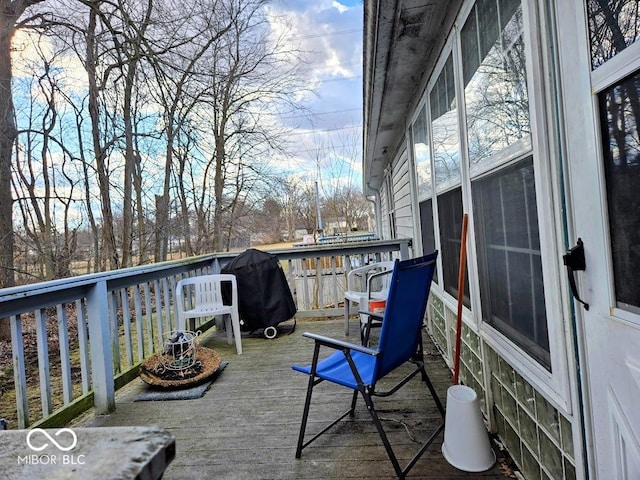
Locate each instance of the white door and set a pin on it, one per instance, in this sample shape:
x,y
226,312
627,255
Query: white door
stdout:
x,y
600,75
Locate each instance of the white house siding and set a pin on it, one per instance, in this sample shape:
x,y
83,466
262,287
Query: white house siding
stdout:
x,y
402,199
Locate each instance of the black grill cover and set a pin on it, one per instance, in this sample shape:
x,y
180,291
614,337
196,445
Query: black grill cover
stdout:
x,y
264,297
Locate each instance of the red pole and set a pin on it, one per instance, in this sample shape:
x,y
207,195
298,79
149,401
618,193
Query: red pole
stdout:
x,y
461,275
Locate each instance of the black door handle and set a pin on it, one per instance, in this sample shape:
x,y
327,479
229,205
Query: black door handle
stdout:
x,y
574,261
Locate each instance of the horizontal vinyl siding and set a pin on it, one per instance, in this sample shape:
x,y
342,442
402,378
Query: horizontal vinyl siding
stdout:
x,y
402,200
384,230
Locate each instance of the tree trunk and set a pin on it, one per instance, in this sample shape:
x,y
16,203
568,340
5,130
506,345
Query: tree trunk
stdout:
x,y
129,164
133,52
110,258
8,134
9,13
218,190
143,251
162,216
162,204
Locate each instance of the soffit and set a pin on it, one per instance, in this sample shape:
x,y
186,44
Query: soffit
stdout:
x,y
401,42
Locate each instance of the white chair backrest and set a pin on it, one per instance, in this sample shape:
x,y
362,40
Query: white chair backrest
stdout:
x,y
357,278
201,297
385,280
206,290
380,283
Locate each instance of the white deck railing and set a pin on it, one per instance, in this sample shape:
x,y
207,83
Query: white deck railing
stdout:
x,y
93,331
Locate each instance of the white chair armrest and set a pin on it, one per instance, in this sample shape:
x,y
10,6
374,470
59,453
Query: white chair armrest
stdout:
x,y
372,277
364,272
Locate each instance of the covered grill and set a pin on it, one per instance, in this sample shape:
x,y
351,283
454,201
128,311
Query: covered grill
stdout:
x,y
264,296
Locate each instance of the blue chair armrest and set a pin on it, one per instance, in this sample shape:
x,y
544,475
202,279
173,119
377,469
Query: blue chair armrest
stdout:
x,y
340,344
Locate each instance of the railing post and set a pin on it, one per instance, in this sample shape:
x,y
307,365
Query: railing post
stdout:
x,y
101,352
19,372
215,266
404,250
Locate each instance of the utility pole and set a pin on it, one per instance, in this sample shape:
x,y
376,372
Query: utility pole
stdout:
x,y
320,228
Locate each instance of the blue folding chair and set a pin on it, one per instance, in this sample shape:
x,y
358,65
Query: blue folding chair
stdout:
x,y
359,367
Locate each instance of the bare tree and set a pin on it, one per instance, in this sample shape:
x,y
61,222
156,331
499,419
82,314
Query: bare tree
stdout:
x,y
180,86
348,206
10,13
100,148
130,51
343,199
44,183
200,83
251,73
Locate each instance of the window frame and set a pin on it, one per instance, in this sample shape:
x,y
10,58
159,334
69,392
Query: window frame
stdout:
x,y
411,149
528,344
548,188
449,49
622,65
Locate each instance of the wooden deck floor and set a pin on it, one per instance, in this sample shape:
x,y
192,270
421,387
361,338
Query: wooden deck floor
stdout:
x,y
246,425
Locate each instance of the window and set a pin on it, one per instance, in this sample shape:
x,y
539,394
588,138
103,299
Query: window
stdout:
x,y
503,192
421,154
428,232
444,129
509,259
613,26
450,221
426,221
493,64
620,112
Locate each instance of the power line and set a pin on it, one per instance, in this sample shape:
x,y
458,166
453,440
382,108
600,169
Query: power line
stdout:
x,y
311,132
315,114
328,34
331,66
341,79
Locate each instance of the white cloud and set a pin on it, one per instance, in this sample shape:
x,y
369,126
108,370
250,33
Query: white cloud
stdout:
x,y
30,52
340,7
330,31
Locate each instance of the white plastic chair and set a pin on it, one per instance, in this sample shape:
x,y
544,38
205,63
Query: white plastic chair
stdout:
x,y
360,288
201,296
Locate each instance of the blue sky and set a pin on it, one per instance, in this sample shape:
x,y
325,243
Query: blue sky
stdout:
x,y
331,32
329,139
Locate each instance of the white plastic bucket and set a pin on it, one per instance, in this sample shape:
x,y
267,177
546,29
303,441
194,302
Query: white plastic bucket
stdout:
x,y
466,443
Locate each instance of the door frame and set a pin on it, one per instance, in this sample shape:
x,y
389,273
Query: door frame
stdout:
x,y
582,153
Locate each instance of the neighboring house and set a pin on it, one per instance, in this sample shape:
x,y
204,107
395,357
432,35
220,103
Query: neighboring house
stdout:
x,y
524,115
335,226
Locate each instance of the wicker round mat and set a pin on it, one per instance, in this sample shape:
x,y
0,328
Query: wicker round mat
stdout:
x,y
210,361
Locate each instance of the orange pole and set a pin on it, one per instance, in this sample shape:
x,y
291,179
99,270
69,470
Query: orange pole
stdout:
x,y
461,275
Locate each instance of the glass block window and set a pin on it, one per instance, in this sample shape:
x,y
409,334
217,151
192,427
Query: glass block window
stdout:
x,y
450,220
620,114
509,259
494,73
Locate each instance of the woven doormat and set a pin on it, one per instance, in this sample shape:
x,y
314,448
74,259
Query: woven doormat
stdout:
x,y
151,394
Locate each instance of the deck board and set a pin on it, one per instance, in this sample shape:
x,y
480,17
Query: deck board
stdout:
x,y
246,425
